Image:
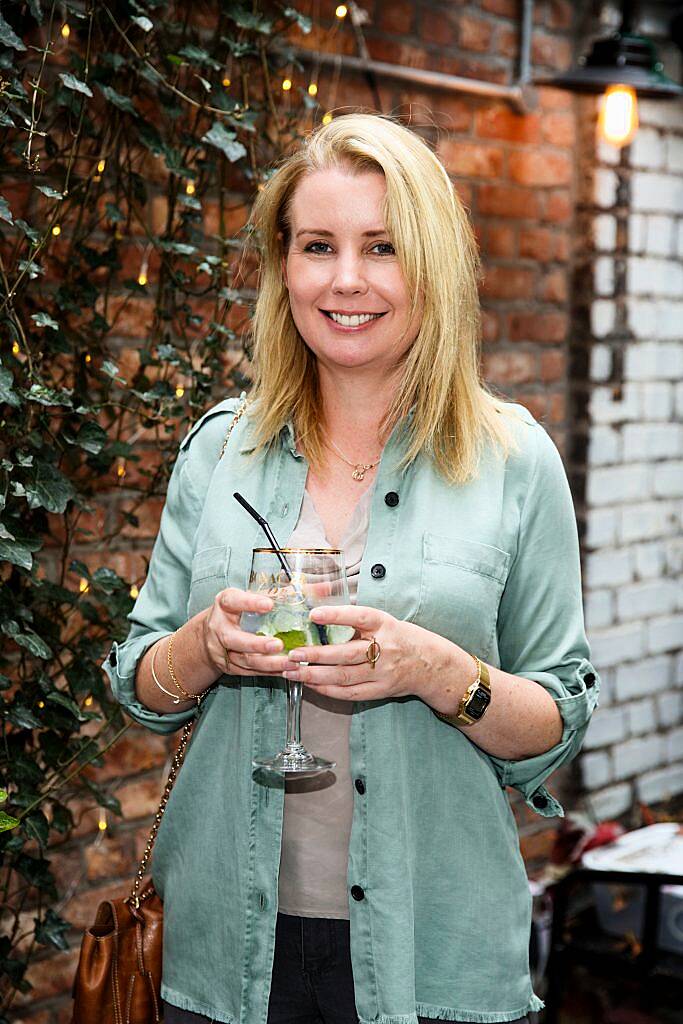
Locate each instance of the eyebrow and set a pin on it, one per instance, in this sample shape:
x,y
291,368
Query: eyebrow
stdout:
x,y
330,234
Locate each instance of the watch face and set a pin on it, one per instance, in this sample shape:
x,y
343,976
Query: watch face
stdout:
x,y
478,702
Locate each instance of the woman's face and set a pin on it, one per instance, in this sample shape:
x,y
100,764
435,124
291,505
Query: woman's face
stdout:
x,y
348,296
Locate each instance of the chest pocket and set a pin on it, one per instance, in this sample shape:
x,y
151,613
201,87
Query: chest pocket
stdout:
x,y
210,568
460,591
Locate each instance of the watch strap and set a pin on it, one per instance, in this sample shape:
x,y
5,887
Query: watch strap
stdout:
x,y
461,717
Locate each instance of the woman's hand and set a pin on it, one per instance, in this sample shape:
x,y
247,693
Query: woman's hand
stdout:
x,y
232,649
411,662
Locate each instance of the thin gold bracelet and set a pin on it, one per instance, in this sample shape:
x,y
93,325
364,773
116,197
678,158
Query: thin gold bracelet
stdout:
x,y
174,697
174,678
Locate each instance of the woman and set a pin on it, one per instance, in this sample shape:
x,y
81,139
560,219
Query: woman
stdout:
x,y
393,889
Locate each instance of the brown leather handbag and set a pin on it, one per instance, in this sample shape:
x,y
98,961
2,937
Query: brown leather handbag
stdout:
x,y
118,978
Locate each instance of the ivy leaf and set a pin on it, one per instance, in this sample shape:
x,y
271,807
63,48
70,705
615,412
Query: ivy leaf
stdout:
x,y
144,23
225,141
92,438
52,930
50,489
67,702
199,56
51,193
8,36
49,396
7,394
15,553
71,82
35,645
44,320
23,717
33,268
180,248
304,23
7,821
5,212
122,102
31,233
6,121
37,827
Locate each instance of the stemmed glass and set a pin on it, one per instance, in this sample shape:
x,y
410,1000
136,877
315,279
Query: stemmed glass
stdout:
x,y
316,576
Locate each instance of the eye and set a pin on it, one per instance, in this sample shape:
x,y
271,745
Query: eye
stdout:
x,y
311,247
387,247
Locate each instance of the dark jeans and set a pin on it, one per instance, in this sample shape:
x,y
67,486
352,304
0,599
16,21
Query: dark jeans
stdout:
x,y
312,978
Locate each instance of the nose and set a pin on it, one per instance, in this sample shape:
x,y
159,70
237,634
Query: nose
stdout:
x,y
349,278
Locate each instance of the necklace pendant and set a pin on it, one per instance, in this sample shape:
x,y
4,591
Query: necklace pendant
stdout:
x,y
359,473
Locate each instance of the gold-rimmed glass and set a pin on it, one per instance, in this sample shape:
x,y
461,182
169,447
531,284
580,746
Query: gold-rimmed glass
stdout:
x,y
318,576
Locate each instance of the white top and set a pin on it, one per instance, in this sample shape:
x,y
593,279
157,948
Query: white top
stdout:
x,y
318,811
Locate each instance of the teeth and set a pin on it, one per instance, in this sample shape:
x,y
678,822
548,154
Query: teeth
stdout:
x,y
353,321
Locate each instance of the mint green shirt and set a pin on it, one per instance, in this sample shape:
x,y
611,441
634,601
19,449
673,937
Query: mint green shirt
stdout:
x,y
439,901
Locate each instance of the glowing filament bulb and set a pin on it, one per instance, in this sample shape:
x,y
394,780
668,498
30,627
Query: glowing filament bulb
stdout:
x,y
66,30
102,824
286,84
618,120
41,703
341,11
226,82
134,592
313,89
327,118
15,348
88,357
88,701
56,230
142,276
120,470
189,188
179,391
101,165
83,586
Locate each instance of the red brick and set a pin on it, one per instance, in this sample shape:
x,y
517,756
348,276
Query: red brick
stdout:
x,y
510,367
66,865
81,910
447,110
550,98
536,404
551,51
490,326
507,201
471,159
129,317
464,191
437,27
475,33
549,328
537,244
553,287
507,41
505,8
396,17
539,167
148,515
52,976
499,240
553,365
111,858
538,845
557,408
559,14
558,207
559,128
138,750
140,798
498,121
508,283
39,1017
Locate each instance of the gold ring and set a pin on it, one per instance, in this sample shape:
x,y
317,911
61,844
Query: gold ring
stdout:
x,y
373,652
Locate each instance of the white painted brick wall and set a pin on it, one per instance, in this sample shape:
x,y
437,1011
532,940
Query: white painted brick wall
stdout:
x,y
652,441
674,153
596,769
603,269
653,360
669,320
674,745
604,446
648,519
601,362
617,644
647,276
612,801
638,679
642,716
605,188
637,755
665,633
608,568
650,559
658,399
607,725
603,317
601,527
610,484
668,479
648,149
670,708
660,785
659,237
605,232
650,193
639,600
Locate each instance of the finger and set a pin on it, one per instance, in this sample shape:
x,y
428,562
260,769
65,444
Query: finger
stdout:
x,y
332,675
363,617
234,601
259,664
357,691
350,653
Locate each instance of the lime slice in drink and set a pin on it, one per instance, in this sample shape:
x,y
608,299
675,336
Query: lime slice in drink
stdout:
x,y
292,638
339,634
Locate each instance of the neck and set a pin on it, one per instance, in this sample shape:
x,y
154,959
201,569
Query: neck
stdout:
x,y
353,406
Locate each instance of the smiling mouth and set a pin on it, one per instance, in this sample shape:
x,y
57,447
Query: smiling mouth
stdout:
x,y
351,320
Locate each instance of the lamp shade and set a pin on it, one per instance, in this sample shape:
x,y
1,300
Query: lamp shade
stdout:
x,y
620,60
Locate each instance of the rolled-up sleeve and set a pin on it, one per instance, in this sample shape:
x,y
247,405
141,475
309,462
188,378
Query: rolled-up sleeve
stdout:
x,y
541,633
161,606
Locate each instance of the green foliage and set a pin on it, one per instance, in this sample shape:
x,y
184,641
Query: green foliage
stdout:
x,y
127,154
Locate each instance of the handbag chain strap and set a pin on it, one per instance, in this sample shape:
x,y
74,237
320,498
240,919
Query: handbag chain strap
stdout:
x,y
136,897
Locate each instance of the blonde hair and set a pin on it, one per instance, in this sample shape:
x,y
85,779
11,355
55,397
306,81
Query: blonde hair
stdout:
x,y
455,413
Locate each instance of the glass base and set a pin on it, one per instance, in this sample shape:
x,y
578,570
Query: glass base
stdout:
x,y
294,760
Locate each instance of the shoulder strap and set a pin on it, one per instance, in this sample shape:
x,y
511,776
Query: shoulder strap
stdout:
x,y
136,897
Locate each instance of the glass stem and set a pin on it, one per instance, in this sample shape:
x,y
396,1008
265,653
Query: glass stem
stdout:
x,y
294,690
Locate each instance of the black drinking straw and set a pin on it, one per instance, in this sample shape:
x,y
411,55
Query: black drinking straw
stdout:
x,y
265,526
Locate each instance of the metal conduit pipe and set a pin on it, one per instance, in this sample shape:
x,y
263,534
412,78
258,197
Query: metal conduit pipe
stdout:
x,y
520,95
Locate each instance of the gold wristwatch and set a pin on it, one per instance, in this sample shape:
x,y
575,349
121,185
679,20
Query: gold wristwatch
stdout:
x,y
475,699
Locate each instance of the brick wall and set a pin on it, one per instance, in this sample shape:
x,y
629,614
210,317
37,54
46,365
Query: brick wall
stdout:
x,y
634,462
520,178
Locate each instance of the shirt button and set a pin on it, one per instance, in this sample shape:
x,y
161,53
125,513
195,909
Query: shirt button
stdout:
x,y
378,572
357,893
391,499
112,657
360,786
589,680
540,801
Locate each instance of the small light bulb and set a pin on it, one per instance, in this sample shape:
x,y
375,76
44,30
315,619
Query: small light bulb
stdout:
x,y
83,586
120,470
313,89
88,357
179,391
66,31
286,84
118,234
101,165
41,703
88,701
189,188
342,11
134,592
142,278
327,118
56,230
226,82
618,119
102,823
15,348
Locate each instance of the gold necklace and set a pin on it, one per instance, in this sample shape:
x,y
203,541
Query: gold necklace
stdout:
x,y
359,468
